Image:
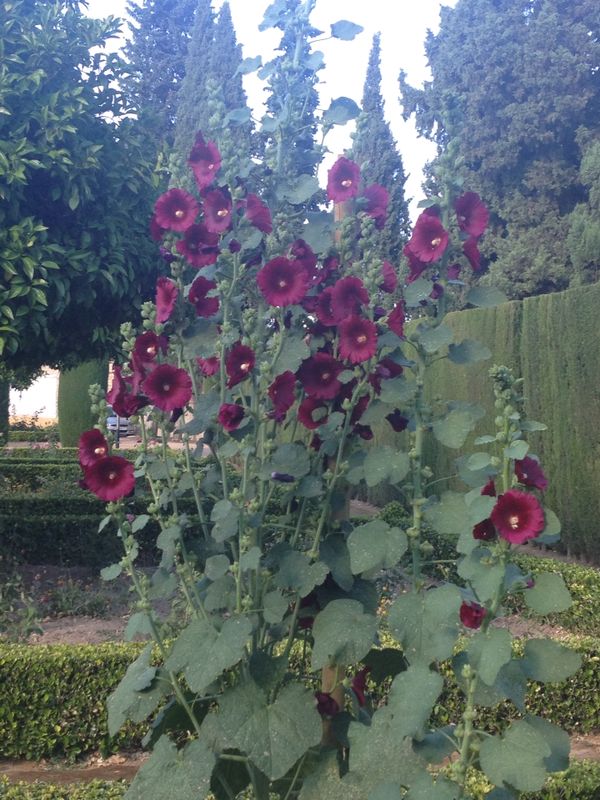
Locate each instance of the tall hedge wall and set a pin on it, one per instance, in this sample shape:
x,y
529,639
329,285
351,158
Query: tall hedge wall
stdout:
x,y
553,342
74,414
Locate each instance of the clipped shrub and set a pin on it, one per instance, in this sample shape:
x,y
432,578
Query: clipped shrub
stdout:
x,y
580,782
92,790
30,475
42,435
45,454
74,414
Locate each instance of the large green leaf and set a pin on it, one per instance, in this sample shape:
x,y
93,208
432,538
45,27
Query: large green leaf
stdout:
x,y
434,337
346,30
397,391
276,735
448,514
296,572
340,111
468,351
549,594
517,757
485,578
291,459
318,231
385,463
375,545
548,661
454,427
489,652
416,291
226,518
426,624
202,653
138,694
343,634
557,739
486,296
205,410
301,190
170,773
425,788
293,353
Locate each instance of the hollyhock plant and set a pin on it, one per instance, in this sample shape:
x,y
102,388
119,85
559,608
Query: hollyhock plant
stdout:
x,y
312,413
348,296
343,180
199,246
168,387
319,376
416,267
110,478
377,198
208,366
358,339
230,416
471,251
148,346
390,279
471,214
454,272
205,161
324,309
396,319
359,686
157,232
205,306
326,705
397,420
484,530
217,210
429,239
282,393
92,447
518,517
124,401
281,282
472,615
258,214
530,473
166,297
176,210
239,363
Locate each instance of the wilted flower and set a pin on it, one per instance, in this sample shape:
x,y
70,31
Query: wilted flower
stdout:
x,y
396,319
390,279
326,705
484,530
208,366
306,413
359,685
517,516
397,420
472,253
343,180
230,416
156,231
282,393
377,198
121,397
205,306
258,214
176,210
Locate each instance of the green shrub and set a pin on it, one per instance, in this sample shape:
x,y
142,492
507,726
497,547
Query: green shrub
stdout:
x,y
30,475
92,790
74,404
580,782
48,434
45,454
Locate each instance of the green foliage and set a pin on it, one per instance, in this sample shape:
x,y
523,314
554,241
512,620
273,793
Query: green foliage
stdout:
x,y
75,189
513,83
91,790
73,405
4,401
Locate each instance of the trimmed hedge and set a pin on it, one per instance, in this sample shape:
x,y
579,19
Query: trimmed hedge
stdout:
x,y
33,436
31,474
73,402
93,790
45,454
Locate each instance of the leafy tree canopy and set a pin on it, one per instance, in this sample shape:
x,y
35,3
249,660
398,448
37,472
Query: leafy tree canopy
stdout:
x,y
75,189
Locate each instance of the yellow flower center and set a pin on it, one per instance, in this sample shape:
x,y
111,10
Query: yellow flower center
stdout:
x,y
222,212
245,366
100,451
346,183
210,166
435,242
361,339
326,376
180,213
151,350
513,521
112,476
282,284
166,387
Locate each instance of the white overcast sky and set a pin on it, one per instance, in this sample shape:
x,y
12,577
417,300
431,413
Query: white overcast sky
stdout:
x,y
403,25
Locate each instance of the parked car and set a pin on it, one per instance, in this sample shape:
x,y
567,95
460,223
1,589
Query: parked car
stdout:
x,y
123,424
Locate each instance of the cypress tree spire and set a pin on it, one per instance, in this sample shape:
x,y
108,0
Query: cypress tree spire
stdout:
x,y
374,149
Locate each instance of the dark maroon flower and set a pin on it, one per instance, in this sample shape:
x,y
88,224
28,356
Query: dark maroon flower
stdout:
x,y
205,306
319,376
148,345
156,231
358,339
168,387
208,366
377,198
326,705
472,253
281,282
364,431
230,416
390,279
529,473
397,420
416,267
484,530
517,516
282,477
110,478
120,396
282,393
489,490
176,210
472,615
359,685
306,413
348,296
166,297
330,265
343,180
324,310
396,319
471,213
239,363
199,246
454,272
429,239
437,291
92,447
258,214
205,161
217,210
386,368
235,246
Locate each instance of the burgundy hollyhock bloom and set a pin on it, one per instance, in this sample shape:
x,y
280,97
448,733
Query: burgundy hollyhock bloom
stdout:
x,y
92,447
239,363
472,253
429,238
386,368
364,431
123,401
324,310
258,214
282,393
208,366
484,530
306,410
343,180
396,319
148,345
319,376
199,246
471,213
397,420
529,473
110,478
517,516
326,705
390,279
168,387
176,210
205,306
348,296
204,161
281,282
330,265
359,686
217,210
156,231
377,198
489,490
437,291
358,339
454,272
472,615
230,416
305,257
166,297
416,267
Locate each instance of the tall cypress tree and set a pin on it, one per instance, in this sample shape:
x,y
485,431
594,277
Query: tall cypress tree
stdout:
x,y
375,150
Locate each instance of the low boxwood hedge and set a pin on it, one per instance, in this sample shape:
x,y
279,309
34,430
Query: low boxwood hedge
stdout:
x,y
93,790
41,435
39,454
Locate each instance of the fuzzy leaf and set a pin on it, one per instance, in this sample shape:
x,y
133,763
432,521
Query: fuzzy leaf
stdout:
x,y
516,758
343,633
340,111
249,65
301,190
385,463
169,773
292,354
298,574
416,291
318,231
275,606
434,337
206,407
346,30
517,449
548,661
226,517
549,594
489,652
135,698
448,514
397,391
376,545
453,428
468,352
